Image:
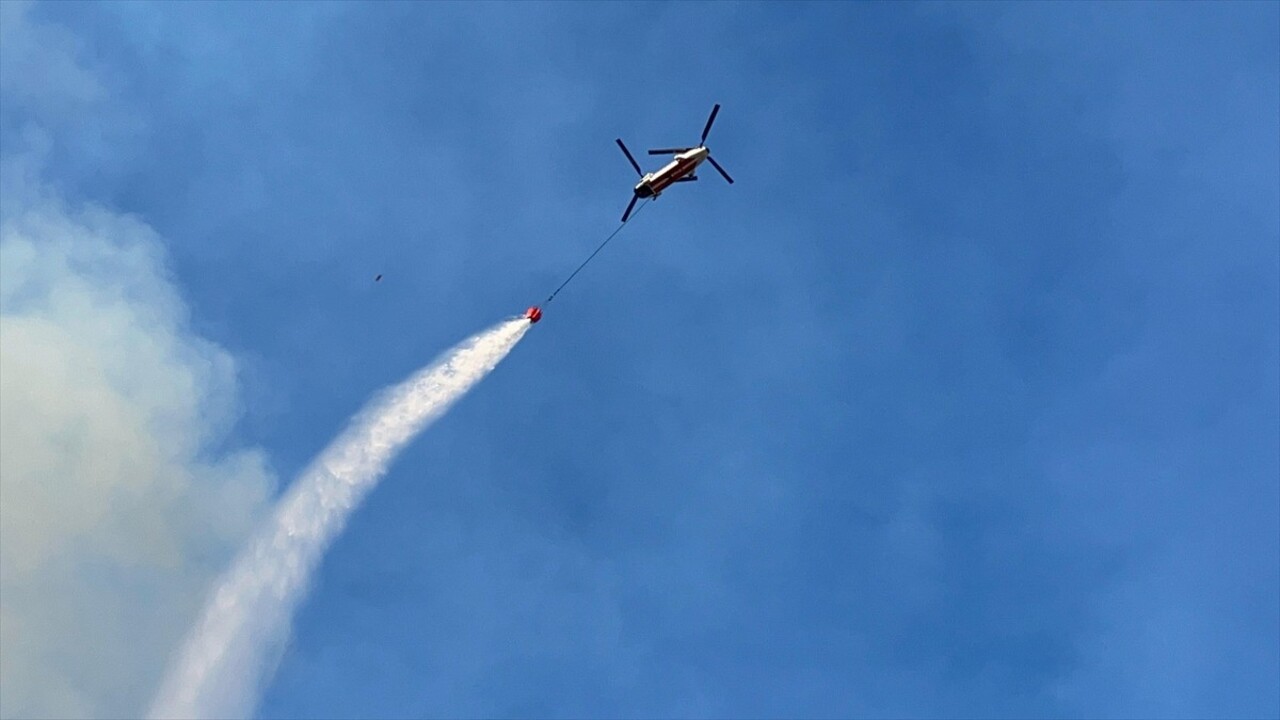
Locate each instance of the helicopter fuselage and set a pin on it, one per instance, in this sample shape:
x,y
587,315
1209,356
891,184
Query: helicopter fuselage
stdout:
x,y
681,166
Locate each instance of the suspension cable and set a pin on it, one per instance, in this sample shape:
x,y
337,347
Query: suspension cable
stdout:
x,y
597,251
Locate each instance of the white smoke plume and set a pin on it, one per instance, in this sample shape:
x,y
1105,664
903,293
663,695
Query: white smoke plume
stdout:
x,y
117,506
120,500
220,669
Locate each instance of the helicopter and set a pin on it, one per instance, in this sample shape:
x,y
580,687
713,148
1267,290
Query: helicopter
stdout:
x,y
684,162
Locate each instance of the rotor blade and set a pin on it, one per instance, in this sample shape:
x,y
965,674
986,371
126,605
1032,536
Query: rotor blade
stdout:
x,y
631,205
710,120
627,152
668,151
716,165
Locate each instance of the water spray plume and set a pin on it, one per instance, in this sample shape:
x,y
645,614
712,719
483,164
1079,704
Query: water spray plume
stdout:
x,y
221,667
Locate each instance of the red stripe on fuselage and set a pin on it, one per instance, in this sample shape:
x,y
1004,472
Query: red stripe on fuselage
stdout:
x,y
662,182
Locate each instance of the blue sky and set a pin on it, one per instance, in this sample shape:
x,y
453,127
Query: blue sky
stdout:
x,y
962,402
